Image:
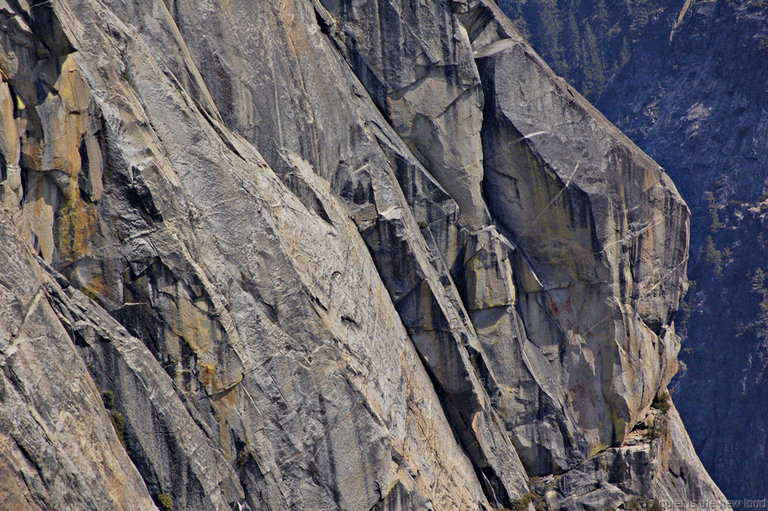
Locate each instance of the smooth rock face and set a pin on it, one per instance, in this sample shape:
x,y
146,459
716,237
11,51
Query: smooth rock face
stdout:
x,y
311,266
602,229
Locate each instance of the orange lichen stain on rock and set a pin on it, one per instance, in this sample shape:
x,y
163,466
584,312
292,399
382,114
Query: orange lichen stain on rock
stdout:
x,y
38,214
76,225
71,86
191,323
227,398
208,376
53,204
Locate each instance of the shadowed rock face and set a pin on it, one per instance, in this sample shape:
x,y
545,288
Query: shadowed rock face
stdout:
x,y
325,255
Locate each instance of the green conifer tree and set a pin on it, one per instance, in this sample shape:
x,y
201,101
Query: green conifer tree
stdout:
x,y
594,75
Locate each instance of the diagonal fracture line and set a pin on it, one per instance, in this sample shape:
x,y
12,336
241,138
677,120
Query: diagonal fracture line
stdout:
x,y
531,135
557,196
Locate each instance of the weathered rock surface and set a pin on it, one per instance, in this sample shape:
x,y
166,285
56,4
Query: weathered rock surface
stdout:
x,y
312,266
656,462
49,397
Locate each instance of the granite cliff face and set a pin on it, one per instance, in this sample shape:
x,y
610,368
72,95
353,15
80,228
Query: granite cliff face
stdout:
x,y
326,255
694,96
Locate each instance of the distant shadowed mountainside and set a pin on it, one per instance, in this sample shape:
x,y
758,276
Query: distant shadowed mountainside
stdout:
x,y
693,93
585,41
